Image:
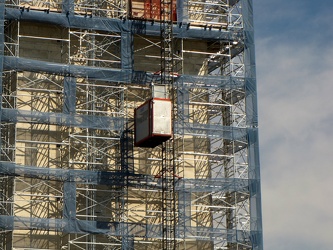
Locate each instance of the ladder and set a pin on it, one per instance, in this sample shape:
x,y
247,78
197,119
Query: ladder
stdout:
x,y
169,215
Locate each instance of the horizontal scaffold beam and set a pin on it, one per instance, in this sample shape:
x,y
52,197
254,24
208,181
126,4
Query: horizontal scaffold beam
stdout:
x,y
117,179
212,130
142,27
93,73
61,119
115,229
116,124
63,175
121,76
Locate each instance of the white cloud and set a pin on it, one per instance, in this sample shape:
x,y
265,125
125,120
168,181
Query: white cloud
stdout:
x,y
295,87
295,118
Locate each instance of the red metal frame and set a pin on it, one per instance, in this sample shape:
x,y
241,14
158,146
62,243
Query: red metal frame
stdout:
x,y
151,10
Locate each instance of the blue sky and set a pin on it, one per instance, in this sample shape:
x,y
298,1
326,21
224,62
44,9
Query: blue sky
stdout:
x,y
295,89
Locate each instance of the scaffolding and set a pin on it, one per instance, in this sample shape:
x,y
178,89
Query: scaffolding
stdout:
x,y
73,71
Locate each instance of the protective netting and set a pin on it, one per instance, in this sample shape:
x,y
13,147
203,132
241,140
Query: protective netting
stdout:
x,y
114,229
82,121
117,178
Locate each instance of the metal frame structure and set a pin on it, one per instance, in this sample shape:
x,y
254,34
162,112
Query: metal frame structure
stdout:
x,y
72,74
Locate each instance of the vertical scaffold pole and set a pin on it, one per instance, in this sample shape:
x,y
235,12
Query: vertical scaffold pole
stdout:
x,y
3,183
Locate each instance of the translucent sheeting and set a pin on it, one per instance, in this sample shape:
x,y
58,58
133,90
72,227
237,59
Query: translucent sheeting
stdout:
x,y
115,25
117,179
69,95
81,121
114,228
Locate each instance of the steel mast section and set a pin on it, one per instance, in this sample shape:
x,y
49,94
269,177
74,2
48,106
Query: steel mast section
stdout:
x,y
168,171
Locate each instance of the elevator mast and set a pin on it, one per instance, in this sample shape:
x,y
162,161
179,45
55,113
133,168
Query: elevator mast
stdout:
x,y
168,165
